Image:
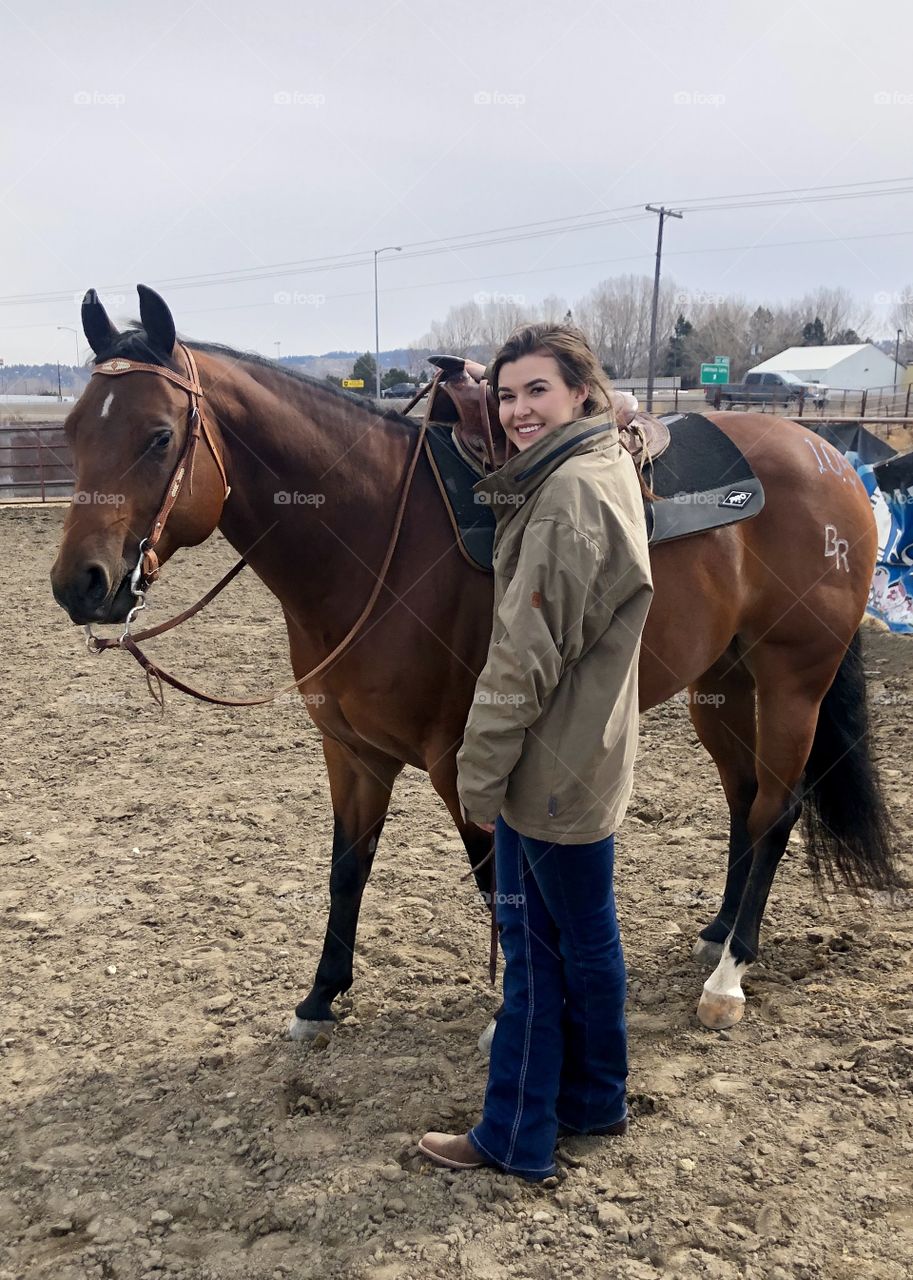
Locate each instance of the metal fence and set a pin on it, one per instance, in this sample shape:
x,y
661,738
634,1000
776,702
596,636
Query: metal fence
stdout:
x,y
35,462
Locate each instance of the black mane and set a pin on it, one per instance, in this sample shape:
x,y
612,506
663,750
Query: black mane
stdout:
x,y
133,344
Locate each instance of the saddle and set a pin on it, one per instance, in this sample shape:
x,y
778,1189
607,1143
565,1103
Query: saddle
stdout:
x,y
460,397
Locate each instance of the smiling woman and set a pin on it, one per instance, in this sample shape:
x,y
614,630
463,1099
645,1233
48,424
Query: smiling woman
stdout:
x,y
543,377
547,760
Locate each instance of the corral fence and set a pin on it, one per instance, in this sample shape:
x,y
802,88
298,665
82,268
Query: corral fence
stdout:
x,y
35,462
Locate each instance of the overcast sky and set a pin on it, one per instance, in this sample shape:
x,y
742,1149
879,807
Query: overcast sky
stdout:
x,y
146,142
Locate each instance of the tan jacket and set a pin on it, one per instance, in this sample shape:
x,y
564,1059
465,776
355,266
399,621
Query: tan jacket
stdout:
x,y
552,734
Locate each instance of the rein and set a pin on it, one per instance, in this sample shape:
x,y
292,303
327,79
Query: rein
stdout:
x,y
147,566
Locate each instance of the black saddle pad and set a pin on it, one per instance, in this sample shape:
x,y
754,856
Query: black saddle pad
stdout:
x,y
702,479
474,522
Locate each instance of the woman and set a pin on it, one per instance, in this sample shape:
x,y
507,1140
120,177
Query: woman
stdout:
x,y
548,755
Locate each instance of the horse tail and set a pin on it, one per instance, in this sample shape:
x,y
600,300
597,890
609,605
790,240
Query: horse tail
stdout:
x,y
850,836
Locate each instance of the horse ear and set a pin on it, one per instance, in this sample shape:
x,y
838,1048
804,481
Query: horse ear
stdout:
x,y
98,329
156,319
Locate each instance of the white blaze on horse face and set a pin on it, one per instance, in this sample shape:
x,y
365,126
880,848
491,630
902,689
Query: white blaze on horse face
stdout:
x,y
106,407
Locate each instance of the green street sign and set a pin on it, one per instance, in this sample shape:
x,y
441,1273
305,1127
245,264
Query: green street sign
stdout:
x,y
715,374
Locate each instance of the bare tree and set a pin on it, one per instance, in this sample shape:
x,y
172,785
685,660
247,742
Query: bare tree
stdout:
x,y
837,310
456,333
901,316
615,315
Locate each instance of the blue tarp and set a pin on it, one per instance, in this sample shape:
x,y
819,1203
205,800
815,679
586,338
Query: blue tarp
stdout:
x,y
890,488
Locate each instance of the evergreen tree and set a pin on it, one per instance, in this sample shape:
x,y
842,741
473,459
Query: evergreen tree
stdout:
x,y
676,357
364,367
813,334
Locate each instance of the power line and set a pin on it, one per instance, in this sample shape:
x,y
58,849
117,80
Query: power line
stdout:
x,y
516,233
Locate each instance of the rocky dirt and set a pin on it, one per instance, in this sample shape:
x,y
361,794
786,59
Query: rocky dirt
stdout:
x,y
162,905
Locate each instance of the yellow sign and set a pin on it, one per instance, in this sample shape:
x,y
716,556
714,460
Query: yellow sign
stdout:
x,y
353,382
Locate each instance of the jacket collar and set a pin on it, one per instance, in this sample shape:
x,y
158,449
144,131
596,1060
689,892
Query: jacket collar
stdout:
x,y
525,472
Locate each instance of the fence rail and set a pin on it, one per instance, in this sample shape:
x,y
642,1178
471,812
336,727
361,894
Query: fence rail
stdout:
x,y
35,462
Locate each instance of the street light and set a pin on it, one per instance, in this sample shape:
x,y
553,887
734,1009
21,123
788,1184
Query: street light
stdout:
x,y
69,328
896,354
389,248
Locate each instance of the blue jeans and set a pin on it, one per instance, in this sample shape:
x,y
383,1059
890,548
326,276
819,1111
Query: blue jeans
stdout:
x,y
559,1054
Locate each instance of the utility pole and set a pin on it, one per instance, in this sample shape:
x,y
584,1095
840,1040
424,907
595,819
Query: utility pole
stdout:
x,y
390,248
651,369
896,356
278,346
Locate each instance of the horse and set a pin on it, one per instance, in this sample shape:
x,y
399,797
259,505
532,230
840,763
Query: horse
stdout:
x,y
758,620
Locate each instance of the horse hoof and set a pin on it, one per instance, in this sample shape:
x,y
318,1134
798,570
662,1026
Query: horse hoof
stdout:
x,y
486,1038
299,1029
707,952
717,1012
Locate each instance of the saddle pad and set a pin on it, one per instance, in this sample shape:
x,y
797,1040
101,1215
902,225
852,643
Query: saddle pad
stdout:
x,y
473,522
702,479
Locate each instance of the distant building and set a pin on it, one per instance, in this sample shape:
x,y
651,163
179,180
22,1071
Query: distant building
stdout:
x,y
857,367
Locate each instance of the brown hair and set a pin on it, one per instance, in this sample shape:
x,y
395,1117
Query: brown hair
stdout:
x,y
576,360
578,365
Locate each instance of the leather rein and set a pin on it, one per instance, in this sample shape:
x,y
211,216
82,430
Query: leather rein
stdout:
x,y
147,566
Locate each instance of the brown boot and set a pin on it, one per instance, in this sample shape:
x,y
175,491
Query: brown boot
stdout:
x,y
451,1151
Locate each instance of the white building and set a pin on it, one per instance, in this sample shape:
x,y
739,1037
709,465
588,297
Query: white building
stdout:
x,y
858,367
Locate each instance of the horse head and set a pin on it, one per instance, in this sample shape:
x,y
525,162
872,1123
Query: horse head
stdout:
x,y
128,436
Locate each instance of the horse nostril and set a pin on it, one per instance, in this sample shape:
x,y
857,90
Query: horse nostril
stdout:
x,y
94,584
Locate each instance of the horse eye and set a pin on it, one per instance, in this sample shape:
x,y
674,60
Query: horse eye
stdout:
x,y
161,439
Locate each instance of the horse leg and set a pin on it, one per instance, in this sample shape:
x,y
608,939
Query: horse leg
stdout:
x,y
788,703
360,785
722,709
478,844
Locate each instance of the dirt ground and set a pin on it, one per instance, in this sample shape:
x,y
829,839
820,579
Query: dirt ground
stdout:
x,y
162,906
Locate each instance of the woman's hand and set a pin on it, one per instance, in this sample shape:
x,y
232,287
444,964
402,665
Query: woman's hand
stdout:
x,y
483,826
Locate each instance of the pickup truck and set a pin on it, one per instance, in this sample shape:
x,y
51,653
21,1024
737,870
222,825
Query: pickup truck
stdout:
x,y
767,388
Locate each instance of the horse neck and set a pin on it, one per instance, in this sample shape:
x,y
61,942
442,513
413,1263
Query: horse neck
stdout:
x,y
315,482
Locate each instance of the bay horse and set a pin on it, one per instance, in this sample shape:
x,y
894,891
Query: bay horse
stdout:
x,y
758,620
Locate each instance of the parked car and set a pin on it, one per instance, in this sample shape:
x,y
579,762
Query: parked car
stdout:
x,y
768,388
399,391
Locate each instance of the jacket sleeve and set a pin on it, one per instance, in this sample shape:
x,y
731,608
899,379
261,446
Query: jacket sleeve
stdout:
x,y
538,633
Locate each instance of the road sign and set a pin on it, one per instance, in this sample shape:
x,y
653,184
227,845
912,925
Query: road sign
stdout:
x,y
353,383
715,374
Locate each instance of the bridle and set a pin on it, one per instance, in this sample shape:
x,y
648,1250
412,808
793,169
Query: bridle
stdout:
x,y
147,566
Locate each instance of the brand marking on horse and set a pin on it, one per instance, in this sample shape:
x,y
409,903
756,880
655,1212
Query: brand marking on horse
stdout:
x,y
830,459
836,547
